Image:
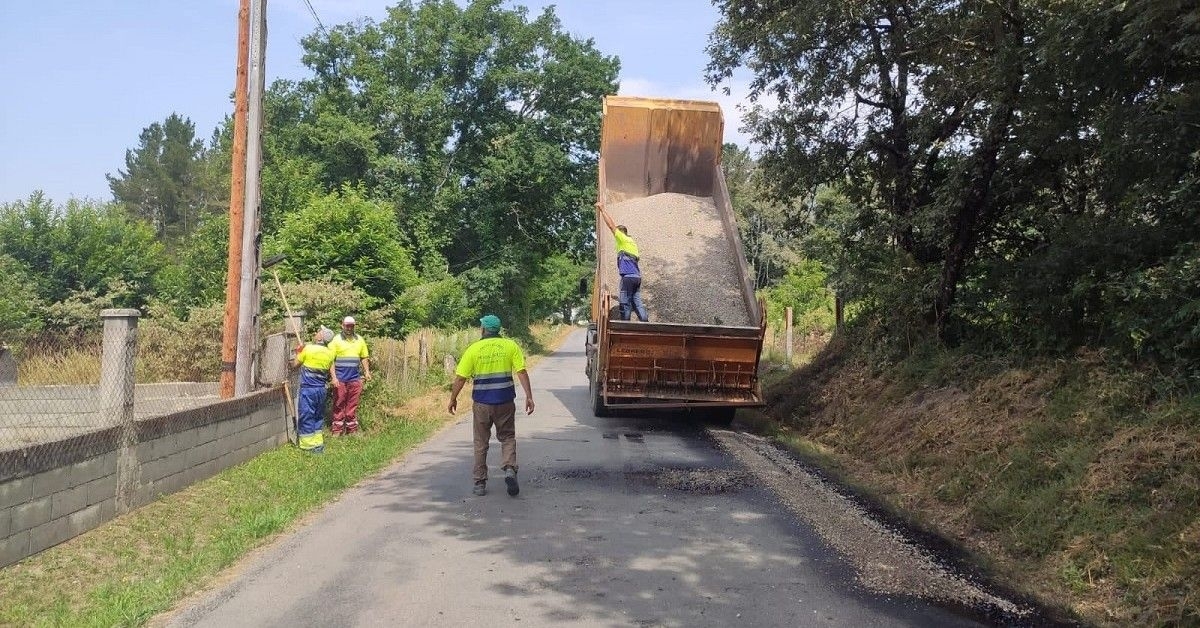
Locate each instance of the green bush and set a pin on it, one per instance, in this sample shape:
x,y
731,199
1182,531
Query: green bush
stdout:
x,y
803,289
326,302
343,237
19,302
82,247
181,349
442,304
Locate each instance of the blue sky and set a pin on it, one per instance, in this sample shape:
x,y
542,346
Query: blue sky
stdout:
x,y
81,78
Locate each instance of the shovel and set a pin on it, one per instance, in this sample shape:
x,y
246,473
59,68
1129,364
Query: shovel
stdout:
x,y
294,434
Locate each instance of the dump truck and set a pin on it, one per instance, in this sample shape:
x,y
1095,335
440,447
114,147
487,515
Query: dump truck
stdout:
x,y
660,172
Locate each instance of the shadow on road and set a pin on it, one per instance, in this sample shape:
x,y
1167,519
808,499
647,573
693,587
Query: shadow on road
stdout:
x,y
637,519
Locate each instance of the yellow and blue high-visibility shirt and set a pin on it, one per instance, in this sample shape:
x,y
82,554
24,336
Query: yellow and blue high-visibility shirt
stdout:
x,y
490,364
350,354
627,254
315,360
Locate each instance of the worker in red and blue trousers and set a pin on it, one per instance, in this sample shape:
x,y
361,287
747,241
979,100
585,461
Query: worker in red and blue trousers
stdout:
x,y
316,361
353,365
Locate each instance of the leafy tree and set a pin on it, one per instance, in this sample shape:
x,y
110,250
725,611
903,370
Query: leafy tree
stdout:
x,y
770,230
288,183
555,291
196,276
82,248
501,287
95,245
20,305
908,106
26,227
440,303
1021,173
344,237
479,125
165,180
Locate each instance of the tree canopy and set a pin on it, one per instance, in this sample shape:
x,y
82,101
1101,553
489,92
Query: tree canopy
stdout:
x,y
80,252
476,123
1020,170
167,179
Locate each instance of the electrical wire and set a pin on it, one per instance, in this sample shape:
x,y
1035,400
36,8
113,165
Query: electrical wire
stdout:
x,y
313,12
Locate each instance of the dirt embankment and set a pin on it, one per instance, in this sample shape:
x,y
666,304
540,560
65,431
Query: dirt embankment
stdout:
x,y
1069,478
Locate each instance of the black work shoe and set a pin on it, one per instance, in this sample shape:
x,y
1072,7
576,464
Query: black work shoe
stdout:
x,y
480,489
510,478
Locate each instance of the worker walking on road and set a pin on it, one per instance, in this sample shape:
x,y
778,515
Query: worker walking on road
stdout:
x,y
315,360
490,362
353,364
630,293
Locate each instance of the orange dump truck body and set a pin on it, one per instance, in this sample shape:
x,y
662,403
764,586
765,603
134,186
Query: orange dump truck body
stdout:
x,y
651,146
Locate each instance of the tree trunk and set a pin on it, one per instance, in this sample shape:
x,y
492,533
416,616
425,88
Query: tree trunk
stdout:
x,y
976,209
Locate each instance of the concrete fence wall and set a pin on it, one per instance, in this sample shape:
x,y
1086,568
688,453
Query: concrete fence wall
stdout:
x,y
126,451
50,492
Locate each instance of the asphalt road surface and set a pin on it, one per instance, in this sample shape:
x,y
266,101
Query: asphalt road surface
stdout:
x,y
620,522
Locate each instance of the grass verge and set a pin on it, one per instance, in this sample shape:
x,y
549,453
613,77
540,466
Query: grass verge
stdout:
x,y
1074,479
144,562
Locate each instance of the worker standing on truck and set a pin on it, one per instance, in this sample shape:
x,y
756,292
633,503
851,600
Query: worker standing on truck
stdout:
x,y
491,362
315,360
630,292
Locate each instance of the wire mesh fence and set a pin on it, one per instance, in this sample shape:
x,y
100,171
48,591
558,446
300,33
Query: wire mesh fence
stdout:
x,y
804,346
93,427
422,358
55,394
64,392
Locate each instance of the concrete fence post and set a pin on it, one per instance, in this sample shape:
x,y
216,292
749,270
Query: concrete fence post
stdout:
x,y
293,325
422,353
787,352
8,367
116,395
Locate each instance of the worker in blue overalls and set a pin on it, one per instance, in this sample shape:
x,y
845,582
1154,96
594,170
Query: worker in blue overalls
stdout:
x,y
315,360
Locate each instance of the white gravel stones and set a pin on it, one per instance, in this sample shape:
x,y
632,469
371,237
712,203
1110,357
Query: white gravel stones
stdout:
x,y
885,561
689,266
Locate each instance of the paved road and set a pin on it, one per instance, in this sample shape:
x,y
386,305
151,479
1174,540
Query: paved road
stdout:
x,y
620,522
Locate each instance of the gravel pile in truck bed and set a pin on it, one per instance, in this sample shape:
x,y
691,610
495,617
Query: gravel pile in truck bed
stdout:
x,y
689,268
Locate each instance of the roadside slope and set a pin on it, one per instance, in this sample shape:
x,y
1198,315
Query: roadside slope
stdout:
x,y
1070,477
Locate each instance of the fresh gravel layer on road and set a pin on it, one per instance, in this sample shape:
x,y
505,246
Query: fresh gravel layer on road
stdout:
x,y
884,560
689,268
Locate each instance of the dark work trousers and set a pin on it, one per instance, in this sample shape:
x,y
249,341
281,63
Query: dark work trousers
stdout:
x,y
631,294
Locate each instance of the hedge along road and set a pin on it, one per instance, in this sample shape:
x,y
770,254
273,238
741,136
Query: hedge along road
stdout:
x,y
623,521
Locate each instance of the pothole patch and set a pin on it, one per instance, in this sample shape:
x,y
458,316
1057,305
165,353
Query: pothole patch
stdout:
x,y
701,481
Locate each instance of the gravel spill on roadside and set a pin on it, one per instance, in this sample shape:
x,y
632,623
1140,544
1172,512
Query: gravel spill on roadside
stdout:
x,y
689,268
884,560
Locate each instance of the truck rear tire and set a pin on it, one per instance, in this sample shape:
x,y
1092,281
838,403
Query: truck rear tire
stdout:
x,y
598,408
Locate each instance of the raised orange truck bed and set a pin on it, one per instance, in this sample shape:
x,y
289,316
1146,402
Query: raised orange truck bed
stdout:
x,y
653,146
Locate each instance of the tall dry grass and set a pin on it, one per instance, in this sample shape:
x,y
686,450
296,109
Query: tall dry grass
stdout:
x,y
169,353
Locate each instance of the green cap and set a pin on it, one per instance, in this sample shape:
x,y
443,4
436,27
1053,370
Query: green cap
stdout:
x,y
490,321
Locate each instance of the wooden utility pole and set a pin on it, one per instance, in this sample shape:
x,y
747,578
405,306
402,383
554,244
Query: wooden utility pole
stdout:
x,y
249,301
237,200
